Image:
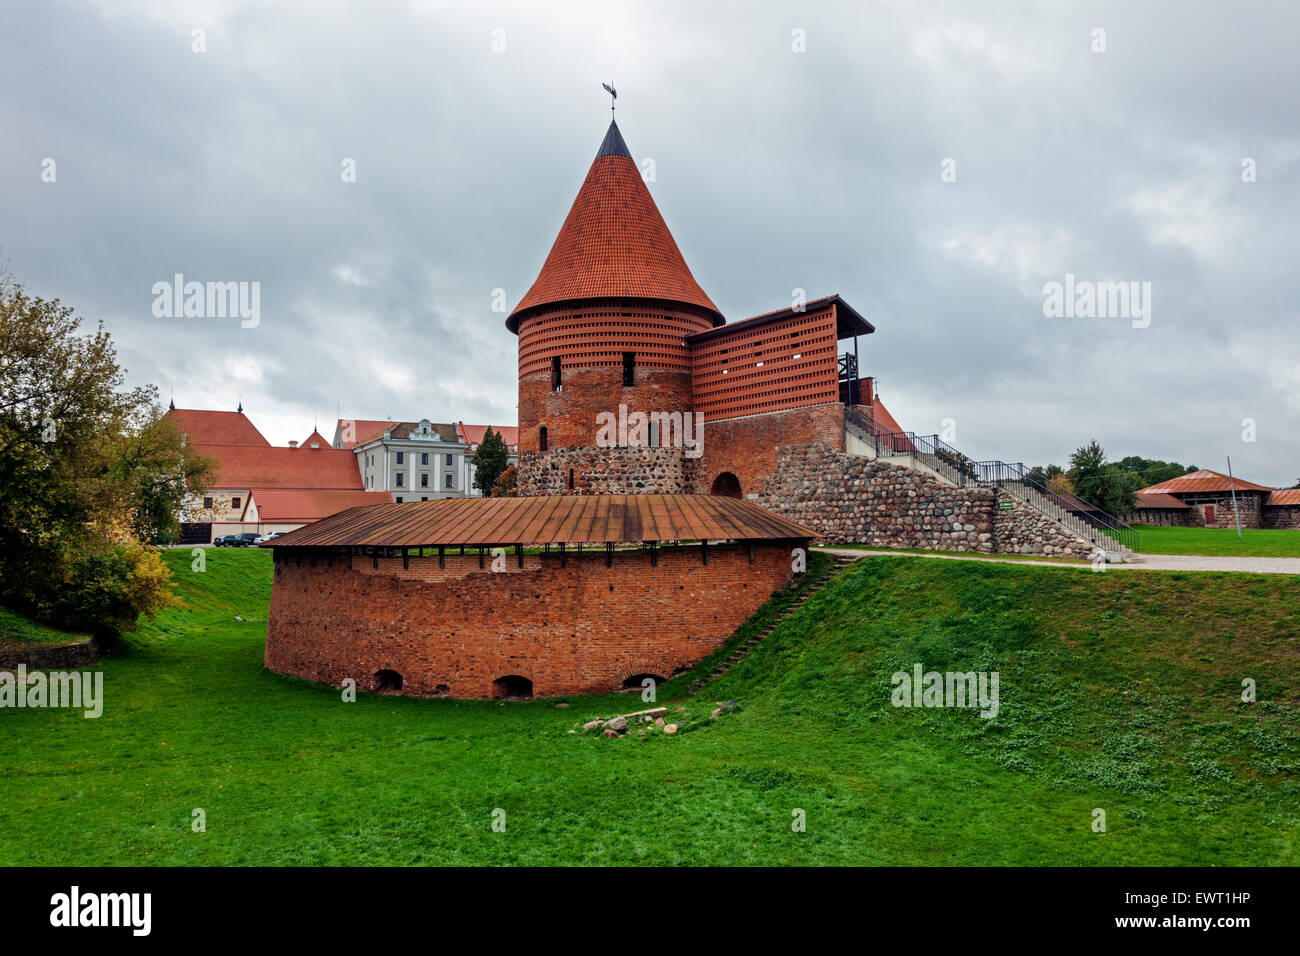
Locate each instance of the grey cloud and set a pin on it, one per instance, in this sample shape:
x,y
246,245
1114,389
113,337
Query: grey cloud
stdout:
x,y
774,170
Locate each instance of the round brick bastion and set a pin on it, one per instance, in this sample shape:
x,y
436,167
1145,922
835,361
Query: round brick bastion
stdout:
x,y
502,598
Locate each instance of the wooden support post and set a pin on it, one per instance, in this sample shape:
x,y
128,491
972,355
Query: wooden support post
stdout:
x,y
519,553
609,555
751,552
442,556
406,560
563,555
480,558
704,550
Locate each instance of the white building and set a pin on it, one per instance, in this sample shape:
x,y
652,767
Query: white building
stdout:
x,y
412,461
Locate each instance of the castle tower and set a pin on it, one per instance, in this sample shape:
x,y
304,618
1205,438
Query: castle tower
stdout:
x,y
606,321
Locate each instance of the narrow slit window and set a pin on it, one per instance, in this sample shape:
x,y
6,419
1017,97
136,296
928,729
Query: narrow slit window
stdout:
x,y
629,369
555,374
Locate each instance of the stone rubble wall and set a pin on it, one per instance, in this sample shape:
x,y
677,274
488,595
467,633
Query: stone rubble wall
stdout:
x,y
40,656
847,499
605,471
1282,516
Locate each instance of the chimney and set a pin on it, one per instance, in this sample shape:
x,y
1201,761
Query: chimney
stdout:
x,y
293,444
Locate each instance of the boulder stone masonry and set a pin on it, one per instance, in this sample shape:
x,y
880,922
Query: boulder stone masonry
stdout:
x,y
604,471
851,499
847,499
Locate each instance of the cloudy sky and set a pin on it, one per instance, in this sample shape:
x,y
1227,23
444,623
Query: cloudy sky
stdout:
x,y
795,146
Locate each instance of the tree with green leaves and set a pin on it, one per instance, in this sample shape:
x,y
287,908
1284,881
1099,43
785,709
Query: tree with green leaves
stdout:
x,y
88,472
1050,474
1105,485
490,459
1152,471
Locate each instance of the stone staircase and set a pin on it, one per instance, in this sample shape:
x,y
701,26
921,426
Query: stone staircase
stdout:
x,y
1116,550
819,581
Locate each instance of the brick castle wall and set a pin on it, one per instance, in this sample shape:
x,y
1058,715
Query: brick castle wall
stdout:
x,y
749,448
582,628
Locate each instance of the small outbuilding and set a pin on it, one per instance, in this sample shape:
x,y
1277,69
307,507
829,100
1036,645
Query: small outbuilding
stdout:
x,y
522,597
1211,499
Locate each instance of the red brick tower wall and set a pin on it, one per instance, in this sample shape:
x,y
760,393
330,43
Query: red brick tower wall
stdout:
x,y
590,338
582,628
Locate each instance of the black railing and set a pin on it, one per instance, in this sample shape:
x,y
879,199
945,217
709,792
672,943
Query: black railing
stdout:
x,y
1059,504
1050,499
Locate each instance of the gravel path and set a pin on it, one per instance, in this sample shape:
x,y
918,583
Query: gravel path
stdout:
x,y
1144,562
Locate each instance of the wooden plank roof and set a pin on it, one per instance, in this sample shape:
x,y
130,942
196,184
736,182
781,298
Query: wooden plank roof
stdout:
x,y
577,519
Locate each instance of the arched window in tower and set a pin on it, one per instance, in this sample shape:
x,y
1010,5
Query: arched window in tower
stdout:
x,y
555,374
541,438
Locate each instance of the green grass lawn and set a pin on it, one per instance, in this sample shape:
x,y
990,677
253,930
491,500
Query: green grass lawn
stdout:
x,y
1254,542
16,629
1119,692
967,554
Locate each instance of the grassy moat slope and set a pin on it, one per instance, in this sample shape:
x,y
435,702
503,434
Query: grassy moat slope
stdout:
x,y
1118,691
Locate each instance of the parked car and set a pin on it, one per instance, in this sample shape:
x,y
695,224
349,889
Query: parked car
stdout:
x,y
247,539
269,537
226,541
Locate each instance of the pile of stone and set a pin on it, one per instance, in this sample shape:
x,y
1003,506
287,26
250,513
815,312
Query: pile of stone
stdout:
x,y
654,720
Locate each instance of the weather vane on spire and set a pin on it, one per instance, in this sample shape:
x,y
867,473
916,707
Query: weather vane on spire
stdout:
x,y
613,94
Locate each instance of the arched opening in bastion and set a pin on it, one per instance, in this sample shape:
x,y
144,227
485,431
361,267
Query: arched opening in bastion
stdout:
x,y
637,681
388,682
512,687
726,485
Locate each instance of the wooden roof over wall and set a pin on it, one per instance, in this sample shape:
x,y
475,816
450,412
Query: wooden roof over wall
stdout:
x,y
575,519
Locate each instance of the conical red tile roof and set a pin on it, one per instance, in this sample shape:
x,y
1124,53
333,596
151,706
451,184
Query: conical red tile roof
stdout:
x,y
614,243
